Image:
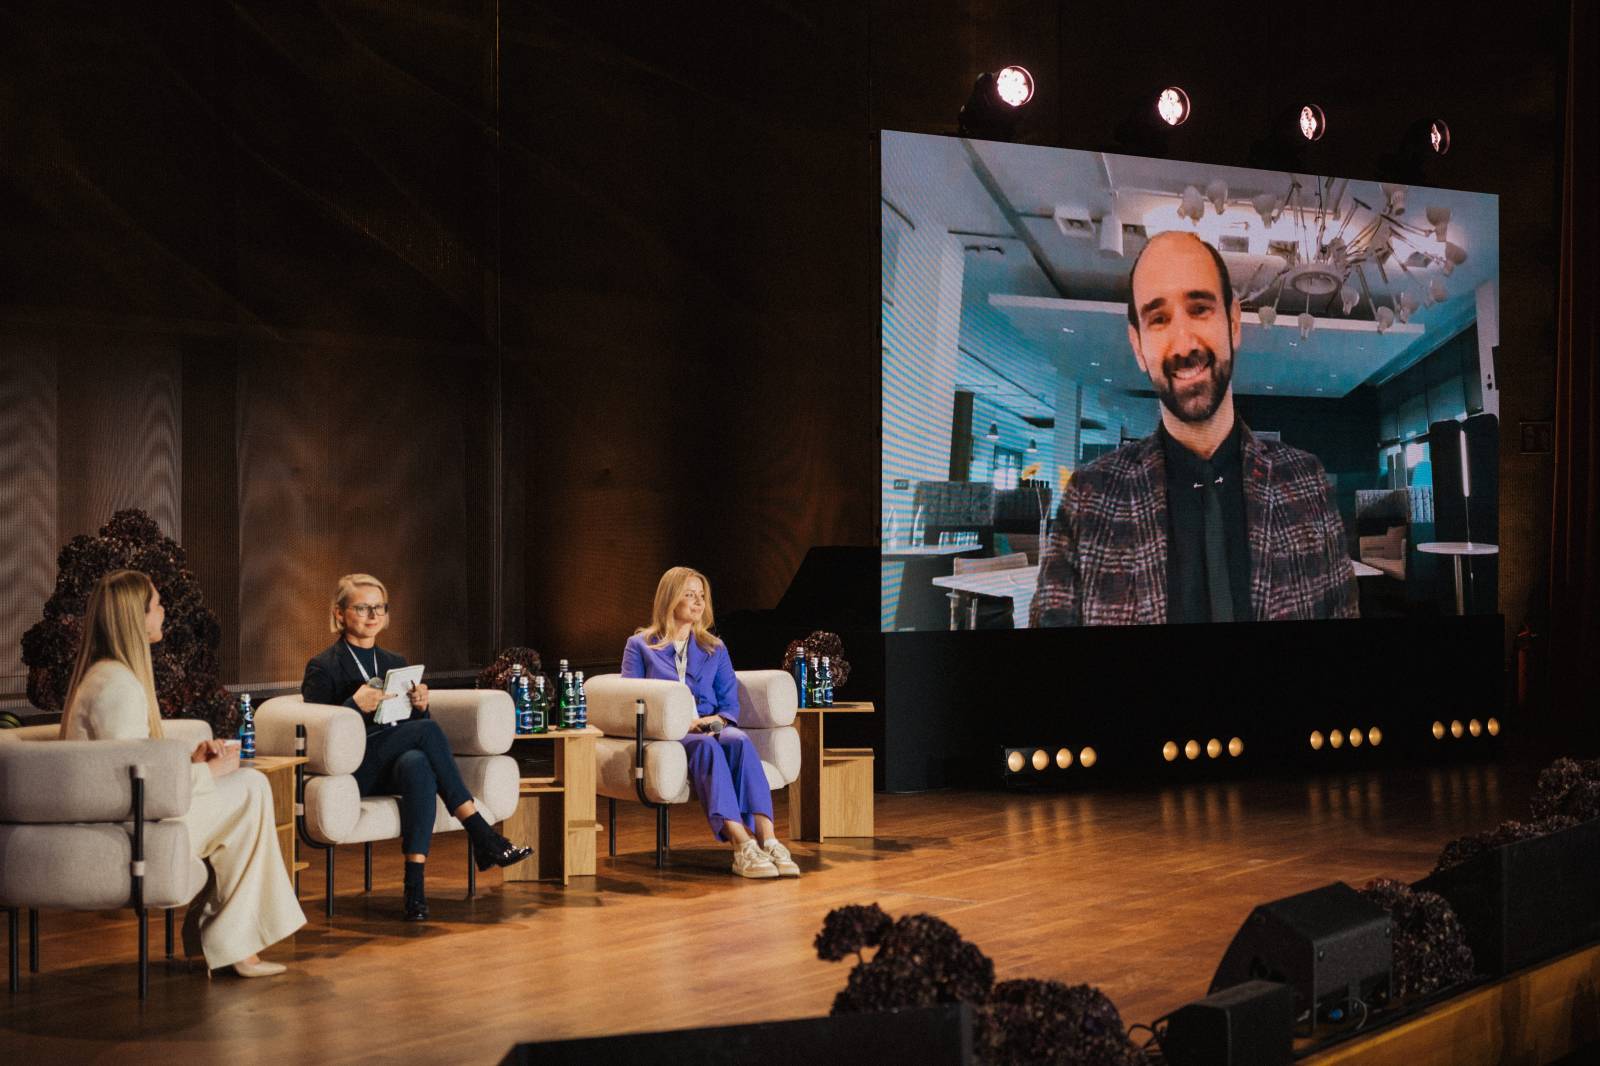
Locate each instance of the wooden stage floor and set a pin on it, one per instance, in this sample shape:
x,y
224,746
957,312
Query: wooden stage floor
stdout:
x,y
1138,892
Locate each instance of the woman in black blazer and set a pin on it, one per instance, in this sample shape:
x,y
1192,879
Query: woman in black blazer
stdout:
x,y
409,759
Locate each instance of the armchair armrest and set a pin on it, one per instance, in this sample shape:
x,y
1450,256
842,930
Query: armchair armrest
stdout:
x,y
767,699
89,780
669,706
189,730
336,737
475,721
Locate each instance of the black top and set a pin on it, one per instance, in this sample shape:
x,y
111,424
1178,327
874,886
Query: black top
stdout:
x,y
1188,597
332,676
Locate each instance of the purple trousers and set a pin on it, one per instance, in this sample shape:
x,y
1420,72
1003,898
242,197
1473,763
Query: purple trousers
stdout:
x,y
726,775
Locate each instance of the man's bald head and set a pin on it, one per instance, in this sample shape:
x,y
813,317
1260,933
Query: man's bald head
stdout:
x,y
1170,237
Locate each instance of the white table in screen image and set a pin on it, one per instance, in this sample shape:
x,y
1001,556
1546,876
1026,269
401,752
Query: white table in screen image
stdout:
x,y
1457,550
923,551
1018,583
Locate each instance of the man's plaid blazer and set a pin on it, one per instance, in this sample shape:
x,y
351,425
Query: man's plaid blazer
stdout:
x,y
1105,561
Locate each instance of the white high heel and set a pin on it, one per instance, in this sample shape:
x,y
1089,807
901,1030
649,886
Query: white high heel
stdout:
x,y
259,968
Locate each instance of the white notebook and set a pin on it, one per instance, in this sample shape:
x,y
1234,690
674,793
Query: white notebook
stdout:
x,y
397,682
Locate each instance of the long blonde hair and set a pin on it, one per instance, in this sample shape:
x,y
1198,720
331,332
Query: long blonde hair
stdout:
x,y
113,628
341,598
658,633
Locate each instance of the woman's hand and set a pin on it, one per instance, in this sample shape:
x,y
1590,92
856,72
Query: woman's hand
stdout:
x,y
419,697
217,756
711,723
367,698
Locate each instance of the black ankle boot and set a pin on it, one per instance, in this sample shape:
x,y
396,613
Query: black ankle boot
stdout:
x,y
490,848
416,896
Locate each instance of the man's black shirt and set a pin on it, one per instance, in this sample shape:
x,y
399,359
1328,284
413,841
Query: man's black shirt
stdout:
x,y
1188,596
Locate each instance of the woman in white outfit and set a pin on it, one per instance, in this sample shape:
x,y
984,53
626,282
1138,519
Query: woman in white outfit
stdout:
x,y
251,903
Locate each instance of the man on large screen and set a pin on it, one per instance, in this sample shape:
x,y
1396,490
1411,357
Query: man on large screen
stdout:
x,y
1201,521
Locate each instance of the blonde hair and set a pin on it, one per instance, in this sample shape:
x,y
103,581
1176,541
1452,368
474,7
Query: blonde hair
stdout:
x,y
669,590
341,597
113,628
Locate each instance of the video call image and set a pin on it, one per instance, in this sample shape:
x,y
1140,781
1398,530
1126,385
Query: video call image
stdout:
x,y
1130,391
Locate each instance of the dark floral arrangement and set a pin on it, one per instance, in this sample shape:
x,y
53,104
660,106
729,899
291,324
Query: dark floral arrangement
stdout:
x,y
922,961
185,660
1429,943
1464,848
1568,787
1029,1021
497,673
819,644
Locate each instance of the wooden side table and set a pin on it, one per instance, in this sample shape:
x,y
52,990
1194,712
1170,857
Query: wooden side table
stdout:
x,y
555,815
833,794
280,775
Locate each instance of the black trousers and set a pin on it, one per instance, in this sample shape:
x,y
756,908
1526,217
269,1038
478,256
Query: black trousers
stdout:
x,y
412,760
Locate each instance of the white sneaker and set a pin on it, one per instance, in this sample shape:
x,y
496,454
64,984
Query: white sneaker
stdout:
x,y
781,858
750,861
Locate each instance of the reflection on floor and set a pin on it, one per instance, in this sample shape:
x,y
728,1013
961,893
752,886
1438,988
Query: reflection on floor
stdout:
x,y
1137,891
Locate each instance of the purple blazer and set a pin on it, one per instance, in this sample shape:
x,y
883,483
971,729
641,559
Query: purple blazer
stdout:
x,y
709,675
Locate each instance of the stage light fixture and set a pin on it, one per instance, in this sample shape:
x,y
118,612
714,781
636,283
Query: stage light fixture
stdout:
x,y
1235,747
1439,136
1064,758
1033,445
1438,731
1169,751
1015,761
1356,738
1493,726
1213,748
1336,739
1191,750
1455,729
1474,726
1316,740
1014,85
994,431
997,100
1041,759
1375,736
1313,123
1087,758
1172,104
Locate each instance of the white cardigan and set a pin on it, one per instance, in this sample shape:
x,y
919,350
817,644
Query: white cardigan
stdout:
x,y
111,705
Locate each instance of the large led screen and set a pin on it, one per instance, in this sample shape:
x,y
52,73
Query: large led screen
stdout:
x,y
1130,391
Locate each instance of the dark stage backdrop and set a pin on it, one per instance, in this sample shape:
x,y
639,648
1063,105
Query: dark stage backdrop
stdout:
x,y
518,303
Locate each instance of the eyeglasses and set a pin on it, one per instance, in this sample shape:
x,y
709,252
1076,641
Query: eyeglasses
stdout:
x,y
369,610
697,597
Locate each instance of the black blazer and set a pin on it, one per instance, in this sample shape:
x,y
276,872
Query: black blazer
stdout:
x,y
332,677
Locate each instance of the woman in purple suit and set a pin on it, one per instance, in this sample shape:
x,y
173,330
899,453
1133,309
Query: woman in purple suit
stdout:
x,y
724,767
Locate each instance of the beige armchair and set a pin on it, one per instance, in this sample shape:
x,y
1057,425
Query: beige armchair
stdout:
x,y
329,807
1386,552
95,825
640,756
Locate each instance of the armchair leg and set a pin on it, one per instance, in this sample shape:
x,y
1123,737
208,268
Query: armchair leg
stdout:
x,y
33,940
14,932
169,932
611,827
366,881
144,954
328,877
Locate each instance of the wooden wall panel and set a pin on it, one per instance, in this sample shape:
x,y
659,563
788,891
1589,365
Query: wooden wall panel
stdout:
x,y
120,403
27,495
356,460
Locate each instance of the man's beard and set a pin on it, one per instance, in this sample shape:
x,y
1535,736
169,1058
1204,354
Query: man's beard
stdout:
x,y
1196,400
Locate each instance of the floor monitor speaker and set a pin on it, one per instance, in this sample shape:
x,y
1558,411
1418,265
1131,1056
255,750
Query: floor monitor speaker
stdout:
x,y
1251,1024
1330,946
